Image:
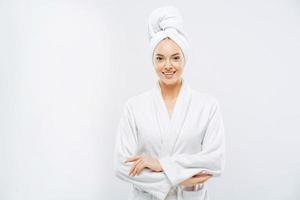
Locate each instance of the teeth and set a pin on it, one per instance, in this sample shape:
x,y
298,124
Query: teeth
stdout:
x,y
169,73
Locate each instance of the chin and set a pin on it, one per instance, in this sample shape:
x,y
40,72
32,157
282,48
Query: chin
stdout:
x,y
170,81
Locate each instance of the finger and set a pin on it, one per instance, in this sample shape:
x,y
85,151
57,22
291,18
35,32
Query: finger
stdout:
x,y
202,175
194,180
131,170
140,167
188,182
202,179
134,166
133,158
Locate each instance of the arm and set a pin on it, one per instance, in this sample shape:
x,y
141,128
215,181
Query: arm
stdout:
x,y
195,181
155,183
211,159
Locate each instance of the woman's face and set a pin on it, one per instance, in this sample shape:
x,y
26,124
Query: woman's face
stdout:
x,y
169,61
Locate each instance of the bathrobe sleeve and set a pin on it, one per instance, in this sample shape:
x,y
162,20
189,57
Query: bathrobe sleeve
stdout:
x,y
211,158
154,183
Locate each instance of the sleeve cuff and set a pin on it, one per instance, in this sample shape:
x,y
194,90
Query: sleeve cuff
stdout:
x,y
170,169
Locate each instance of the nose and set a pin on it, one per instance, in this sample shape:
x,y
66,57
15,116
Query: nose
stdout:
x,y
168,64
168,68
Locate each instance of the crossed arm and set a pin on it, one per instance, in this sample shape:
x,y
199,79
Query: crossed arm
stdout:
x,y
147,161
157,175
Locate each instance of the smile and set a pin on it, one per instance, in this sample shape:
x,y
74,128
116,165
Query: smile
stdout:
x,y
168,74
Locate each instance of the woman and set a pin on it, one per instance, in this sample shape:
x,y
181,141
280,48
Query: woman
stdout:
x,y
170,139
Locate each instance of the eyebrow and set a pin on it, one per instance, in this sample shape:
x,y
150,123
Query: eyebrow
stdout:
x,y
171,55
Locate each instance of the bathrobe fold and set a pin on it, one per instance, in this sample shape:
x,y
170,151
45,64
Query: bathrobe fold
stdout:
x,y
210,159
154,183
189,141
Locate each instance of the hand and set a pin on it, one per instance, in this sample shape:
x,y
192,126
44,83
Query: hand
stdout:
x,y
143,161
196,179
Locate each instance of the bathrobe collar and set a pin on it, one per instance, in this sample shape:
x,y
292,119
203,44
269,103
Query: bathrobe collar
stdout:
x,y
170,127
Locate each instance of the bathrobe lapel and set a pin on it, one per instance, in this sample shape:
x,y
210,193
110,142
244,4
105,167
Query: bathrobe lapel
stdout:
x,y
170,128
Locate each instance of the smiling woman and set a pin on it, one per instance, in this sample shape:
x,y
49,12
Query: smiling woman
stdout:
x,y
168,60
170,139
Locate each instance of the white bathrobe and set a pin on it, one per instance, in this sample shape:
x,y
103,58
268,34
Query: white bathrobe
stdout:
x,y
190,141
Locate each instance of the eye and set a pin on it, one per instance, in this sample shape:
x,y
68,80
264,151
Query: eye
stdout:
x,y
177,57
158,58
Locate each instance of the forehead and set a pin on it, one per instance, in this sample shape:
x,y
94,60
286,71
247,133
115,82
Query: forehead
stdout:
x,y
167,47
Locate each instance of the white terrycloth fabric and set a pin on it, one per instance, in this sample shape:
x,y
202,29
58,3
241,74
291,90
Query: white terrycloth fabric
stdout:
x,y
189,141
167,22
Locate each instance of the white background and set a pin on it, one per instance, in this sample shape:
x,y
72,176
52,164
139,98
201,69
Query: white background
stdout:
x,y
67,67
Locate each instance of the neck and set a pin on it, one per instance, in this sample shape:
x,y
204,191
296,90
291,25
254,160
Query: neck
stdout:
x,y
170,92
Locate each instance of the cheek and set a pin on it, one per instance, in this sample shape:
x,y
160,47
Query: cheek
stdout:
x,y
179,69
179,73
158,69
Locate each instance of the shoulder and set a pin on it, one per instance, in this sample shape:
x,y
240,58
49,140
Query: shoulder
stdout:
x,y
138,100
207,98
207,101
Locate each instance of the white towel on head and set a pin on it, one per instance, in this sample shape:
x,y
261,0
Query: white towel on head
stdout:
x,y
167,22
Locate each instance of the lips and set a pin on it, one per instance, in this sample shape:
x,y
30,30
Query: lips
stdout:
x,y
169,75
